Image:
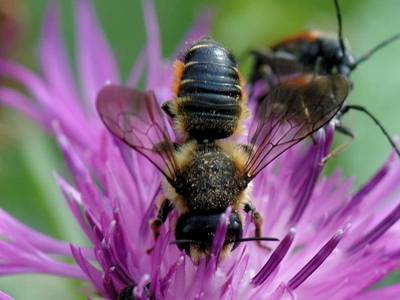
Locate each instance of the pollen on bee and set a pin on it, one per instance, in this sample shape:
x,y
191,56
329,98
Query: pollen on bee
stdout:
x,y
236,153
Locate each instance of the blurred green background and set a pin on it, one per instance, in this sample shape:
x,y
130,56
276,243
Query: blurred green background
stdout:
x,y
28,157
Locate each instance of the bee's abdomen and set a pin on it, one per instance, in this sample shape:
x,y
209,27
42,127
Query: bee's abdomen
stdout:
x,y
210,78
211,85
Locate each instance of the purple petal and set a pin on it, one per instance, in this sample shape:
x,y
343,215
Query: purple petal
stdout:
x,y
94,274
74,202
376,232
220,233
39,91
4,296
314,168
54,61
20,234
137,70
367,188
15,259
21,103
91,198
275,259
96,61
316,261
153,47
390,292
30,81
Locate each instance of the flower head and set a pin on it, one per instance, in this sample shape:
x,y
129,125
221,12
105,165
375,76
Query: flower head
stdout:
x,y
334,243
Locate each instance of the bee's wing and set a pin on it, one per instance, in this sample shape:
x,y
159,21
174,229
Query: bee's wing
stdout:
x,y
136,118
292,111
281,65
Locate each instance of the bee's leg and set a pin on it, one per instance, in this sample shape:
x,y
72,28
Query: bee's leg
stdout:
x,y
167,108
259,60
263,70
268,75
343,129
347,131
257,220
162,214
362,109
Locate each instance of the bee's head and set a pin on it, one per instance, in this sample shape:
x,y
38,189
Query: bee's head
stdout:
x,y
335,57
195,232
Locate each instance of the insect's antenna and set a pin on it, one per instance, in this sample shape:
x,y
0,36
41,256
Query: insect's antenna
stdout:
x,y
340,25
183,241
254,239
375,49
376,121
186,241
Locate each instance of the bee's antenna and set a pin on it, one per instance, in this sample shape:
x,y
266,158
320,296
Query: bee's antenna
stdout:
x,y
255,239
340,25
376,121
184,241
271,239
378,47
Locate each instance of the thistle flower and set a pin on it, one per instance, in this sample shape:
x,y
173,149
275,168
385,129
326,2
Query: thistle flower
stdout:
x,y
334,243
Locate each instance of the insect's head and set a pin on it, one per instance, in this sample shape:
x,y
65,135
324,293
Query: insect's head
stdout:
x,y
334,57
195,232
332,53
346,62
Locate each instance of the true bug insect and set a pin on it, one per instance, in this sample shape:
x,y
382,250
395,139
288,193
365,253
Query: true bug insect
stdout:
x,y
318,53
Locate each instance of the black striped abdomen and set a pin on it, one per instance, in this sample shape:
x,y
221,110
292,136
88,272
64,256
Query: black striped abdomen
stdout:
x,y
211,85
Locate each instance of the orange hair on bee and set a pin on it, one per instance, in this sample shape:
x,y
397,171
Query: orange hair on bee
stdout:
x,y
307,36
178,68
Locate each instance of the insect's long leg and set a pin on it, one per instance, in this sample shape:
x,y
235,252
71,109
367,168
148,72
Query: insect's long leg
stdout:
x,y
360,108
339,127
264,68
162,214
257,220
167,108
347,131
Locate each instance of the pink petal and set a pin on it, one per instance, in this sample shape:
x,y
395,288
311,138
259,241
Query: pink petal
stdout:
x,y
96,61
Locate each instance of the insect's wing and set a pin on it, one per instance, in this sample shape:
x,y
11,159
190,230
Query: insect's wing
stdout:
x,y
136,118
292,111
277,64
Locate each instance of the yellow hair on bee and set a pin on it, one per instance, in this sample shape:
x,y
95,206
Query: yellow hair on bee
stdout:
x,y
182,158
196,253
235,151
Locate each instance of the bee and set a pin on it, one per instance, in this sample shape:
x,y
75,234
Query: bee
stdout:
x,y
314,52
208,172
209,101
